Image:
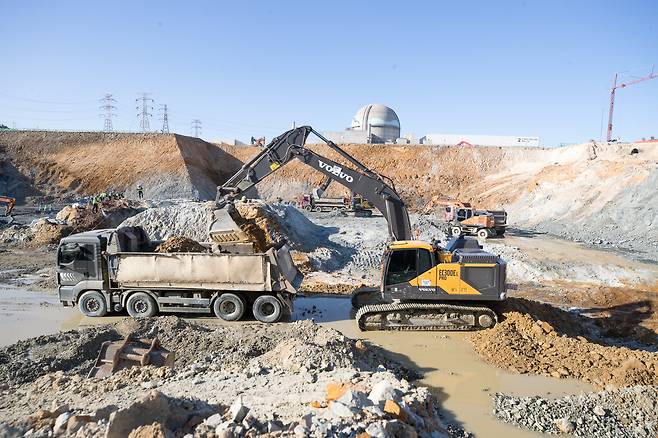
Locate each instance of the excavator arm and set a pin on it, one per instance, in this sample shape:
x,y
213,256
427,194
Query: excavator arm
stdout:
x,y
289,146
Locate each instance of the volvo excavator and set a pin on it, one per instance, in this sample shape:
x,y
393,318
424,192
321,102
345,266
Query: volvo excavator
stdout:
x,y
423,286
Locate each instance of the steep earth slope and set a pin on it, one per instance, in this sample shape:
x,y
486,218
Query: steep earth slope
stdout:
x,y
63,164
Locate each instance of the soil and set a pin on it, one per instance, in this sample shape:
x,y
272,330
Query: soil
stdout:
x,y
180,244
541,339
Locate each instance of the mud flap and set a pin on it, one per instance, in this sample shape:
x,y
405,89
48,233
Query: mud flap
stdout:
x,y
115,356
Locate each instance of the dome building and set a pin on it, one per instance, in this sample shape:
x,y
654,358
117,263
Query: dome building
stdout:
x,y
379,121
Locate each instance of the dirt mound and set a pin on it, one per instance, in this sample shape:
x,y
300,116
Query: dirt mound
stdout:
x,y
180,244
109,215
67,164
540,339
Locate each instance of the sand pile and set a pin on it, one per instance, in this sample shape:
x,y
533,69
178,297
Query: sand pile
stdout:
x,y
540,339
180,244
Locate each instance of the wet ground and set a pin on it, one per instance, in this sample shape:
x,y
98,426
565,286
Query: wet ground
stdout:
x,y
462,381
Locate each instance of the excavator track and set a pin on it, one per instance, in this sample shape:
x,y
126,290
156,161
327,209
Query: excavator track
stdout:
x,y
425,317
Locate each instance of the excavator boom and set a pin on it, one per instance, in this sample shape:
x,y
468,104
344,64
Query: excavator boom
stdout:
x,y
289,146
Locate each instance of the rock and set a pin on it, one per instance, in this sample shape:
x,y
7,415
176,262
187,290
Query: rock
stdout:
x,y
104,412
149,385
394,409
75,422
564,425
60,422
300,431
214,420
155,430
58,409
249,421
599,410
377,429
354,399
153,408
274,426
238,410
335,390
381,392
340,410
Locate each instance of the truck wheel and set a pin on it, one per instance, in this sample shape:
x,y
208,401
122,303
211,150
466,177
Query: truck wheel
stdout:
x,y
267,308
317,209
92,303
455,231
228,307
308,208
141,305
483,233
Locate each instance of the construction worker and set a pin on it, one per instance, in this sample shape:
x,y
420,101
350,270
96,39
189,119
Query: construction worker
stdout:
x,y
94,204
140,192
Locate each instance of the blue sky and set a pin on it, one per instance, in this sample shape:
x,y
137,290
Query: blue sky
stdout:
x,y
252,68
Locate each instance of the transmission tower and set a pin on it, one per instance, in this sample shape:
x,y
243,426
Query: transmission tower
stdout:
x,y
108,111
165,119
144,106
196,127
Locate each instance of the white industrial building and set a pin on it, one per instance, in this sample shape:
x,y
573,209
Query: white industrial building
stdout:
x,y
479,140
376,123
373,123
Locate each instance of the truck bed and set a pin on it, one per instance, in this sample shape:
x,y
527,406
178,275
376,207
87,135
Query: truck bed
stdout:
x,y
247,272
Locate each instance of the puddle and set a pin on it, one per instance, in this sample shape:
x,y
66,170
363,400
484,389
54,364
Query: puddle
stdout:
x,y
25,314
460,379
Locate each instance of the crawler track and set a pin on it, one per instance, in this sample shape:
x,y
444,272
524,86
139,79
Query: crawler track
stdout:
x,y
425,317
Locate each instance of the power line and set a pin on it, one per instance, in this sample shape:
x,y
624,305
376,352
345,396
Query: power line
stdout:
x,y
108,108
49,102
144,113
196,128
165,119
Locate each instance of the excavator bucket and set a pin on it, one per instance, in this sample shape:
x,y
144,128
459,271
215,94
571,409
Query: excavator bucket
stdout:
x,y
223,228
115,356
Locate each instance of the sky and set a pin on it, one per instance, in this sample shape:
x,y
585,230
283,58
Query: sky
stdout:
x,y
253,68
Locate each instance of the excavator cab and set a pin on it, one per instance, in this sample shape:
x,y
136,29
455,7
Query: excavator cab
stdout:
x,y
8,202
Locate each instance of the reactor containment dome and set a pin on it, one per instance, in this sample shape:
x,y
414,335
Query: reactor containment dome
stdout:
x,y
379,121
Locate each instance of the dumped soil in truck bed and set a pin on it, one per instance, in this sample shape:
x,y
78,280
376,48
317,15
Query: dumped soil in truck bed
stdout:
x,y
180,244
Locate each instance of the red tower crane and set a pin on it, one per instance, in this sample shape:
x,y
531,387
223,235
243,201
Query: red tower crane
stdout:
x,y
651,75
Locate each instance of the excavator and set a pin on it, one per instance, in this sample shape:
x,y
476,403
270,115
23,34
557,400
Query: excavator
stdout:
x,y
9,204
423,286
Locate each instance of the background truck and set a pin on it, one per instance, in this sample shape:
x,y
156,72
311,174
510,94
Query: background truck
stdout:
x,y
105,271
316,201
463,219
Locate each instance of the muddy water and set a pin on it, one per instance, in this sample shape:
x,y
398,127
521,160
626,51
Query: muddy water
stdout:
x,y
462,381
25,314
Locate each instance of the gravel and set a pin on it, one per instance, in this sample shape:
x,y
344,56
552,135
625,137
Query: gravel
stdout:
x,y
627,412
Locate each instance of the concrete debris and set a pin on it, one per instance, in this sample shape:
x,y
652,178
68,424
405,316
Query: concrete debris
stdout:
x,y
632,413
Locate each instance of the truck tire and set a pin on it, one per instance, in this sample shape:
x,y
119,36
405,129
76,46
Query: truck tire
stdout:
x,y
455,231
308,208
228,307
92,303
483,233
267,308
317,209
141,305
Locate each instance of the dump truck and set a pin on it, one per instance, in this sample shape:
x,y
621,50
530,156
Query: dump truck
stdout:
x,y
423,286
112,270
463,219
316,201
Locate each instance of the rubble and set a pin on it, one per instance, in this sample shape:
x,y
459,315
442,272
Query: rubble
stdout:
x,y
215,388
628,412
